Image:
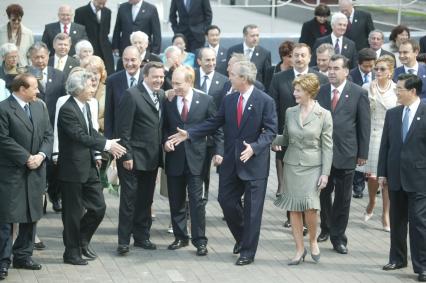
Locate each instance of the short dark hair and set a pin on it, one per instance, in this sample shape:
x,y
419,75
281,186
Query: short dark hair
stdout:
x,y
397,30
180,35
411,81
148,66
345,60
286,48
414,44
249,26
301,45
366,54
211,27
14,10
21,80
322,10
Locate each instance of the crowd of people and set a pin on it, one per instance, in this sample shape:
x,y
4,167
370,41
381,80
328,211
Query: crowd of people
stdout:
x,y
340,109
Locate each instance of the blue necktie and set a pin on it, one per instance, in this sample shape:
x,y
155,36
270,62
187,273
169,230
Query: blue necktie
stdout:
x,y
188,5
366,78
405,123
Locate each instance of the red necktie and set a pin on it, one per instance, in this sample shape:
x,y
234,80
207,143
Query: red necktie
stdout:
x,y
335,99
184,113
66,29
240,110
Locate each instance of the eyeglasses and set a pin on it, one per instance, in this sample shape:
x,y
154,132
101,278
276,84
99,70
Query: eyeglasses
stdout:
x,y
400,89
19,19
381,69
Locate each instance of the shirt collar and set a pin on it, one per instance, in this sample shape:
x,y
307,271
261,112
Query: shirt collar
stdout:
x,y
138,5
143,56
378,52
202,74
245,47
57,58
247,94
340,88
363,74
334,39
147,88
136,76
413,107
415,67
216,49
20,101
301,73
188,97
68,26
79,103
93,7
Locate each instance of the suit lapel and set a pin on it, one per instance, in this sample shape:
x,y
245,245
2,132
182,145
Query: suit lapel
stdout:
x,y
20,113
147,97
193,109
343,97
248,108
78,113
417,118
311,116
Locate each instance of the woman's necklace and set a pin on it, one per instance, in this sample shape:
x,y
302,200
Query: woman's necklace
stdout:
x,y
382,91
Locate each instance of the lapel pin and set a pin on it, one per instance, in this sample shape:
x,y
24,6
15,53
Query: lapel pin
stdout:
x,y
257,53
424,76
345,46
50,80
221,53
74,32
143,11
355,20
418,118
347,96
197,101
70,66
217,82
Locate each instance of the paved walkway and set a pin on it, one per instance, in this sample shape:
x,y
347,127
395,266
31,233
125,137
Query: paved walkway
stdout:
x,y
368,251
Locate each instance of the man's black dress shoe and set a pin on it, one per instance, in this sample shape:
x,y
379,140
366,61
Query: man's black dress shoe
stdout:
x,y
394,266
341,249
3,272
177,244
56,205
323,237
237,249
357,195
422,277
242,260
122,249
202,250
88,252
27,264
75,260
146,244
39,246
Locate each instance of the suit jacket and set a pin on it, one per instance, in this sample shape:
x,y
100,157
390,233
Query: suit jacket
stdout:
x,y
216,86
69,64
423,44
140,128
261,58
421,73
385,52
348,49
311,31
192,23
351,124
147,21
258,128
27,39
361,26
76,32
97,33
227,90
356,76
77,143
149,57
403,163
281,90
116,86
192,152
309,143
22,189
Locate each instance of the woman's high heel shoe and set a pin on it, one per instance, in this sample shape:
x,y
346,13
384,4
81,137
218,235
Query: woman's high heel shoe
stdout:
x,y
301,258
316,258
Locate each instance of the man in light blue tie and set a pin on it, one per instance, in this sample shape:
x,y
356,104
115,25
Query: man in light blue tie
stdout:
x,y
402,166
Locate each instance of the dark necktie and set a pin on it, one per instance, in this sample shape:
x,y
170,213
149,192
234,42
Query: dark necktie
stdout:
x,y
184,113
412,71
405,123
132,81
337,47
204,85
349,26
27,111
335,99
240,110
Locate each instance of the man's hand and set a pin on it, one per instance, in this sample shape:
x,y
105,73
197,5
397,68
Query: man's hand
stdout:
x,y
128,165
168,146
217,160
276,148
179,137
34,161
170,94
98,163
247,153
361,162
322,182
117,150
383,181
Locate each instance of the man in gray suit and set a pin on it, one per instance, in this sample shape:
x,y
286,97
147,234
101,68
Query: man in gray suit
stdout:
x,y
350,109
26,140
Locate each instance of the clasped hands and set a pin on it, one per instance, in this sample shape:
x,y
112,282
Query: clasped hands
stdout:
x,y
34,161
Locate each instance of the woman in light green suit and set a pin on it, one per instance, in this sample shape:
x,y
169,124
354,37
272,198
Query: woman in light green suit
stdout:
x,y
307,135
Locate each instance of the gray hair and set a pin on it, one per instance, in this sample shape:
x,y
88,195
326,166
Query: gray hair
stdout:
x,y
325,47
38,46
247,70
7,48
172,49
338,16
202,50
346,1
239,57
139,34
377,31
82,44
77,82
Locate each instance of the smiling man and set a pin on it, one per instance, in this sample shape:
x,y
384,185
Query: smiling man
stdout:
x,y
61,60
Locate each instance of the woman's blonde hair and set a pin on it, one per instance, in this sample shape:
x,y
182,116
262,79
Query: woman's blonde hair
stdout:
x,y
309,83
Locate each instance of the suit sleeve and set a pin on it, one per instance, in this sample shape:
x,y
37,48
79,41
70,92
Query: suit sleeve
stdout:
x,y
269,128
209,126
384,147
363,125
55,153
109,111
173,16
208,15
116,36
327,144
156,33
218,136
126,114
67,122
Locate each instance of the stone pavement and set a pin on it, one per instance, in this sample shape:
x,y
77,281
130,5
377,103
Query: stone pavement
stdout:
x,y
368,251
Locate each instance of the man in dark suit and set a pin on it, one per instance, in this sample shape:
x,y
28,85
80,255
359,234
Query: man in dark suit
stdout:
x,y
350,110
51,85
96,18
281,90
249,122
116,85
139,127
191,18
408,51
26,140
213,41
376,40
342,45
318,27
64,25
133,16
359,26
258,55
61,60
184,163
141,41
82,197
210,82
402,166
422,43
